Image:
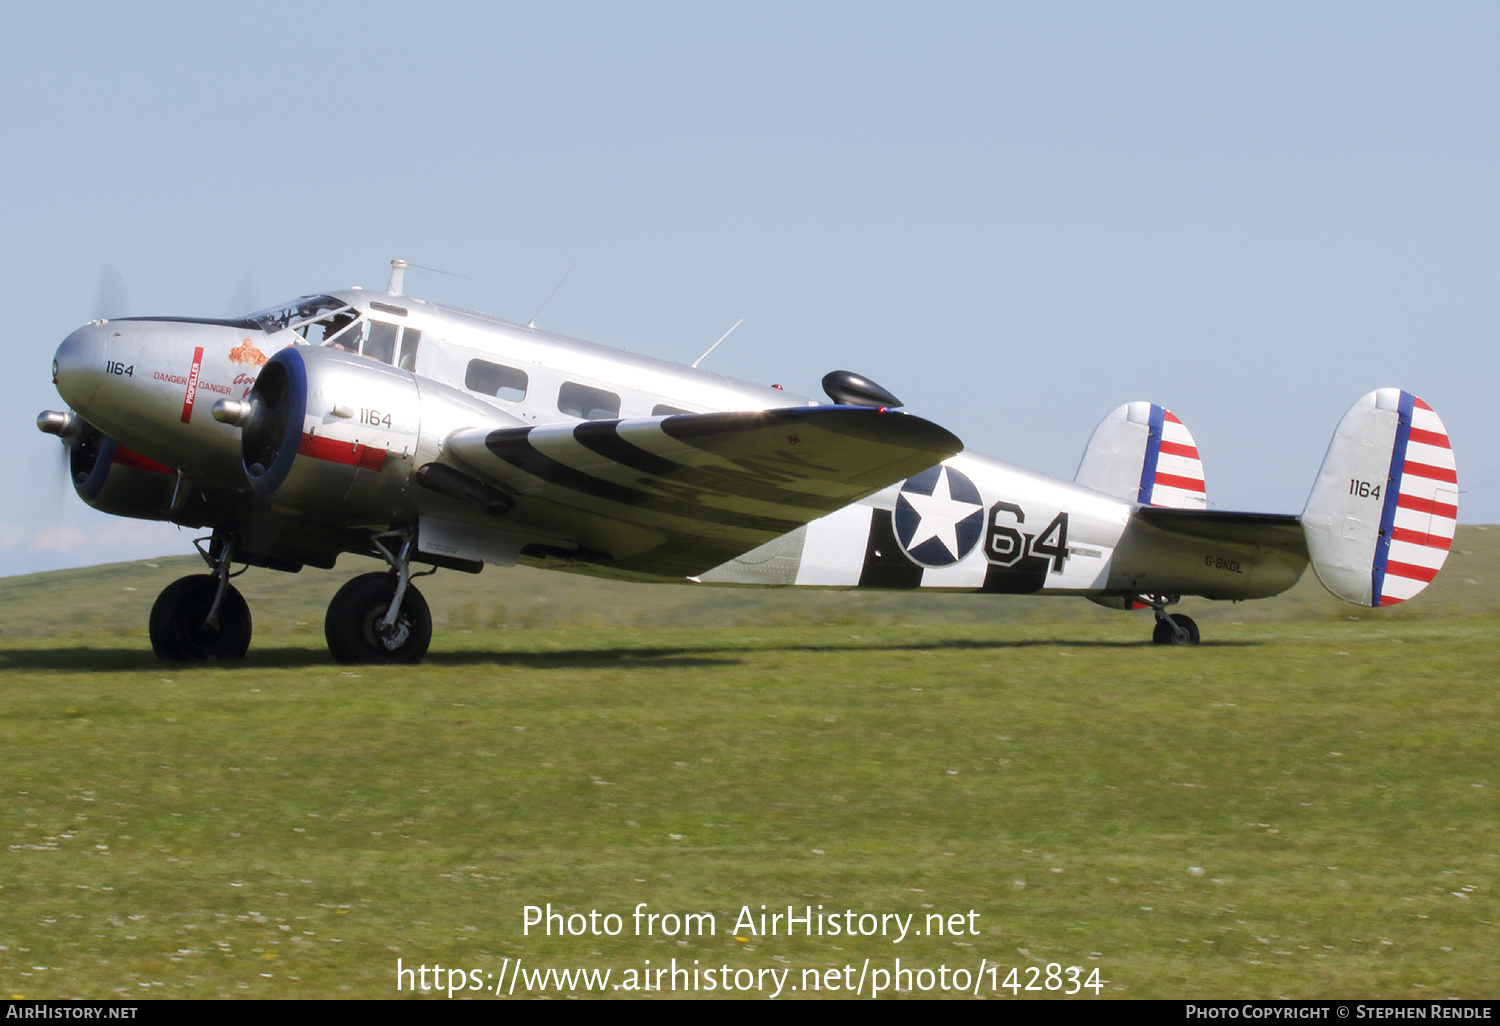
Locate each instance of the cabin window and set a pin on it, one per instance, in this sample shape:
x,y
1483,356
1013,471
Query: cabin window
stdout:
x,y
575,400
497,380
663,410
381,342
410,339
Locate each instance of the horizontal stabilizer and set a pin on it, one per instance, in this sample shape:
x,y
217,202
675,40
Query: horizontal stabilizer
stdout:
x,y
1142,453
1382,514
678,495
1270,530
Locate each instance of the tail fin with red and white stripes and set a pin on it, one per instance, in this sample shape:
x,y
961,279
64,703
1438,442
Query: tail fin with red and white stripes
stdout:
x,y
1382,514
1142,453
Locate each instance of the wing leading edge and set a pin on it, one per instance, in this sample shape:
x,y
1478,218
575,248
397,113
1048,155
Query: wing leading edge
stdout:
x,y
675,496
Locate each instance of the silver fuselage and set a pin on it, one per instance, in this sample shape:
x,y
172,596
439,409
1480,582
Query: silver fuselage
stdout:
x,y
392,378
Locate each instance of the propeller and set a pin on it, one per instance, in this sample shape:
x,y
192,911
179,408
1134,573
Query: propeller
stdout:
x,y
111,302
243,299
111,297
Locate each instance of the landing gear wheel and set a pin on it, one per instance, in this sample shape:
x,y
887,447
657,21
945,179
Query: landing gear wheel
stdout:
x,y
178,631
1175,629
355,628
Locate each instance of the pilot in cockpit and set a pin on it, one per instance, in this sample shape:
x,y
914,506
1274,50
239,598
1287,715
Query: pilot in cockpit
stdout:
x,y
336,324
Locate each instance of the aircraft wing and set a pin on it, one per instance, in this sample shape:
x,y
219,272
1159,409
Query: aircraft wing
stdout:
x,y
678,495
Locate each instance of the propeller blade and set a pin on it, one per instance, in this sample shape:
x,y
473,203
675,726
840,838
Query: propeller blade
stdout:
x,y
111,298
244,297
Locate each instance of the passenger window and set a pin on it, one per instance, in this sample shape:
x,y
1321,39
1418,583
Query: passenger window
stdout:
x,y
663,410
410,339
381,343
487,378
575,400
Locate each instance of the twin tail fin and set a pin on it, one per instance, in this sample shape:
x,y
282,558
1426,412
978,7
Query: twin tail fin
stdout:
x,y
1142,453
1382,514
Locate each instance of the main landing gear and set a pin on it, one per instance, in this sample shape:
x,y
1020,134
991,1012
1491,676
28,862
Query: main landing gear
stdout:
x,y
1174,628
380,617
375,618
204,616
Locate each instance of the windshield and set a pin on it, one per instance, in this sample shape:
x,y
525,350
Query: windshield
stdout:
x,y
290,315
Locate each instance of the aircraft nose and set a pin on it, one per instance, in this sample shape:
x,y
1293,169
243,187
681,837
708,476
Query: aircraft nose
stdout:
x,y
79,366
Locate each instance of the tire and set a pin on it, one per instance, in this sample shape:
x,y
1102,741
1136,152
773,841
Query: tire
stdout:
x,y
177,630
1166,634
354,616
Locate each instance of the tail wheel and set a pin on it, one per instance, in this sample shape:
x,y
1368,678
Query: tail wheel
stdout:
x,y
355,624
178,631
1175,629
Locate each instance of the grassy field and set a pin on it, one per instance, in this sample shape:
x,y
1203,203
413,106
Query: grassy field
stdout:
x,y
1303,806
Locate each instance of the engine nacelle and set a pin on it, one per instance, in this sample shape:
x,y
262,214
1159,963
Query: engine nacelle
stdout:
x,y
120,481
332,433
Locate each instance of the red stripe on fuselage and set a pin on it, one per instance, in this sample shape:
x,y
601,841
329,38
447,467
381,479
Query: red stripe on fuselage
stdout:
x,y
350,454
130,458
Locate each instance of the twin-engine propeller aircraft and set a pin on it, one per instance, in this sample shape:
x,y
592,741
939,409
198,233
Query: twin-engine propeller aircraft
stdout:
x,y
379,424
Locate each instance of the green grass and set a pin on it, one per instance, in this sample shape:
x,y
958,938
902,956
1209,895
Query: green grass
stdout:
x,y
1303,806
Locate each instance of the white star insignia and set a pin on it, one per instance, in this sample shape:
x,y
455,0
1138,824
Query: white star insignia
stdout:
x,y
939,515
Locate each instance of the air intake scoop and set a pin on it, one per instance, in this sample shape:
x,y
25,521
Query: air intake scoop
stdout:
x,y
850,389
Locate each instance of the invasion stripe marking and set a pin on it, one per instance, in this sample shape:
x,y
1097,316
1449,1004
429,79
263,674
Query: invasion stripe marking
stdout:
x,y
603,437
514,447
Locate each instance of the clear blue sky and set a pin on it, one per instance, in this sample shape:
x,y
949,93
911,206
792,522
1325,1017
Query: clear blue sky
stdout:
x,y
1014,216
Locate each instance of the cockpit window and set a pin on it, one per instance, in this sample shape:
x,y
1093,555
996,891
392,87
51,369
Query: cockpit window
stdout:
x,y
290,315
343,329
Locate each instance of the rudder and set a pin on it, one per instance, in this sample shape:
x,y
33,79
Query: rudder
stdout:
x,y
1381,516
1142,453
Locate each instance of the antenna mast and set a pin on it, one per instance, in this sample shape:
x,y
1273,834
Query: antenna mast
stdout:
x,y
532,323
716,344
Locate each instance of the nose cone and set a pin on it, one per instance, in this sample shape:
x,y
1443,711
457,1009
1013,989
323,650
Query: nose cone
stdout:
x,y
79,366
